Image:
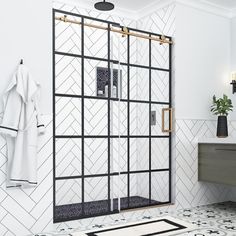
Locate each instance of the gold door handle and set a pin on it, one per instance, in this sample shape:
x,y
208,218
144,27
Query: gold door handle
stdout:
x,y
170,128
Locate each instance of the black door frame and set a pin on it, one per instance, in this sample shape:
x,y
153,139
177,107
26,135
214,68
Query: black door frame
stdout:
x,y
109,100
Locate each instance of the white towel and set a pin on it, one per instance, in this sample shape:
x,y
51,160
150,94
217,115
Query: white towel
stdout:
x,y
21,125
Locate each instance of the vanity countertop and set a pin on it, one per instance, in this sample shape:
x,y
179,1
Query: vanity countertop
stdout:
x,y
228,140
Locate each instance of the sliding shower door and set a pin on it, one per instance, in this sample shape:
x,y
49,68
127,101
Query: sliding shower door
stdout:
x,y
112,118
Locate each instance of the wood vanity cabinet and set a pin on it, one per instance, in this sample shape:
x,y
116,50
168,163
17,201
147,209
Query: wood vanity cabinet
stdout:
x,y
217,163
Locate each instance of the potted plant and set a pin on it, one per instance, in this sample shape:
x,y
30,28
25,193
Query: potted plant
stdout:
x,y
221,107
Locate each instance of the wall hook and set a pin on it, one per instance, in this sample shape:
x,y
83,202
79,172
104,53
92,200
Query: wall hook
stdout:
x,y
21,61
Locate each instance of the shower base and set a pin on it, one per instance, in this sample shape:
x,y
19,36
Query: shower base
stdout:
x,y
96,208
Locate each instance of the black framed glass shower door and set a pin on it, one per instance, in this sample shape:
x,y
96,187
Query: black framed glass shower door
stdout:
x,y
109,97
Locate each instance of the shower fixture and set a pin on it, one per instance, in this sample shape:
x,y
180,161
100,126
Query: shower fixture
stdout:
x,y
104,6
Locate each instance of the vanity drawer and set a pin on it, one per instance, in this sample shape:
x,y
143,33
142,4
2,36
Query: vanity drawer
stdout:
x,y
217,163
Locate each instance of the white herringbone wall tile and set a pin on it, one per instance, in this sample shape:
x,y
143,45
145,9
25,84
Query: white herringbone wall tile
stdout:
x,y
190,192
27,211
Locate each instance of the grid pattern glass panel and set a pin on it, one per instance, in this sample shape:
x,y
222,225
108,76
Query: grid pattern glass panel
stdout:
x,y
95,156
160,186
96,40
68,36
68,191
95,117
106,149
139,118
160,153
68,116
139,83
68,75
139,150
160,86
119,154
68,157
157,128
96,189
118,118
160,55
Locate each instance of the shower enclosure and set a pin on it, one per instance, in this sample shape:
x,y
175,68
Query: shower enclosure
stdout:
x,y
112,118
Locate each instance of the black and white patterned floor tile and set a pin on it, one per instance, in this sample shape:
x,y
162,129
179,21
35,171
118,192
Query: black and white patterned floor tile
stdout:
x,y
217,219
211,220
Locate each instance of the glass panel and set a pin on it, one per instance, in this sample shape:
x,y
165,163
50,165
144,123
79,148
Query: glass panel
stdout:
x,y
119,155
160,55
139,119
118,118
95,117
68,157
133,50
68,191
117,74
68,75
119,192
139,84
96,196
160,186
96,39
160,153
139,150
124,79
119,44
95,189
119,71
139,190
96,156
68,35
140,48
160,86
68,116
156,127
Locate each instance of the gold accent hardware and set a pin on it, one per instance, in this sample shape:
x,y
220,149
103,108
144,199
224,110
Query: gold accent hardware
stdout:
x,y
163,39
170,129
123,32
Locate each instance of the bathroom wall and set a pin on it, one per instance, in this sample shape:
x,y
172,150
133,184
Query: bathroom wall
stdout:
x,y
233,68
233,46
29,210
202,61
23,212
26,33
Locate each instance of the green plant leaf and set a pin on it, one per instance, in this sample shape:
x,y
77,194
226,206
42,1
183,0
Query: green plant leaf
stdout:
x,y
221,106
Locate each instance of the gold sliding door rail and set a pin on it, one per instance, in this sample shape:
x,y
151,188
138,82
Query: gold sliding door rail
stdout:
x,y
162,39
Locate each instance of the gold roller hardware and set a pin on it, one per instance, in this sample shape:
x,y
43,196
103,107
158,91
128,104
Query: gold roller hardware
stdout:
x,y
162,39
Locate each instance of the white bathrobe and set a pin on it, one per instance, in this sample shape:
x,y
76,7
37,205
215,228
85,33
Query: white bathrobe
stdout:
x,y
21,125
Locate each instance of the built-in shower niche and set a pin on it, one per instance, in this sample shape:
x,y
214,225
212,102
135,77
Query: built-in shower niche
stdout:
x,y
102,77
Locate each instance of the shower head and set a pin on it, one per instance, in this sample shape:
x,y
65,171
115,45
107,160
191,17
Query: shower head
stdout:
x,y
104,6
